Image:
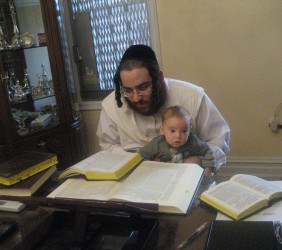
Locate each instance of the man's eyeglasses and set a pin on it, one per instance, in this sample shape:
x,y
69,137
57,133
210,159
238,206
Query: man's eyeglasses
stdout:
x,y
140,90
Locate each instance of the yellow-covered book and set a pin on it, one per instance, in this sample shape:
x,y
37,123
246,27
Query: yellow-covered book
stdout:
x,y
24,166
28,186
241,196
104,165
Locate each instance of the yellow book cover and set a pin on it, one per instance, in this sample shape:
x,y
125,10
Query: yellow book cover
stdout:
x,y
241,196
28,186
24,166
104,165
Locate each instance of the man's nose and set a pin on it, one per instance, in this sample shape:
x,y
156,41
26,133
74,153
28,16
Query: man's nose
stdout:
x,y
136,96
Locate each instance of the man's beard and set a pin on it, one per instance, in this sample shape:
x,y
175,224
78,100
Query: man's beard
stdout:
x,y
133,106
157,100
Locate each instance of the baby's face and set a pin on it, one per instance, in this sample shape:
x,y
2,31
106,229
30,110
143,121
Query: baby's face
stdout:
x,y
176,131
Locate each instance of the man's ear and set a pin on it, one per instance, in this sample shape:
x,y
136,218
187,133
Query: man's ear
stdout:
x,y
161,130
161,75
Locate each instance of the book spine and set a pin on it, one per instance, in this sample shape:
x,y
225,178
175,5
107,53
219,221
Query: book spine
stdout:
x,y
29,171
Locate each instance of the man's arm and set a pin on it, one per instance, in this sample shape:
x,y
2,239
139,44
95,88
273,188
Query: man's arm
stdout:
x,y
107,133
213,129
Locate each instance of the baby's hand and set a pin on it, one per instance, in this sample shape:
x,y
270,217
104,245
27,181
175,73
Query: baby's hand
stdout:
x,y
192,159
177,158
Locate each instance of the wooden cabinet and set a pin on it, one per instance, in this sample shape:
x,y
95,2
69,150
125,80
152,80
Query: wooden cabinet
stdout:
x,y
36,107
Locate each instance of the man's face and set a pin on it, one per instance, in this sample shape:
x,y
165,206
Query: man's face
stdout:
x,y
139,82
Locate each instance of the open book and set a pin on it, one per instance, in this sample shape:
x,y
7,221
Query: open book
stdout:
x,y
104,165
171,186
242,195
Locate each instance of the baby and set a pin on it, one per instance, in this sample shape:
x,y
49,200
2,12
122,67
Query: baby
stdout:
x,y
176,143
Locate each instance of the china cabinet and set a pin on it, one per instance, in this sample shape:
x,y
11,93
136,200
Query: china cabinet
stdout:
x,y
36,105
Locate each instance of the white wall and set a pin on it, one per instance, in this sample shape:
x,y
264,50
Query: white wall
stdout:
x,y
233,50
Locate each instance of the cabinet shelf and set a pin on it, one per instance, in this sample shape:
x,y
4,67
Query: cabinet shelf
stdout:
x,y
23,48
31,99
37,122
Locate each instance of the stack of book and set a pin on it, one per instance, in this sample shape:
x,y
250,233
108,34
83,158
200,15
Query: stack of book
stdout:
x,y
25,174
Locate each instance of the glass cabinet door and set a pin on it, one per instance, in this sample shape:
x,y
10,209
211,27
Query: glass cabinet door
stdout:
x,y
26,68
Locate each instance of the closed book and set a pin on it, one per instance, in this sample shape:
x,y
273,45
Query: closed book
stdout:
x,y
24,166
234,235
28,186
104,165
7,228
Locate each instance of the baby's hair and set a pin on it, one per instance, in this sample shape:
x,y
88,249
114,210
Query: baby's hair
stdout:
x,y
176,111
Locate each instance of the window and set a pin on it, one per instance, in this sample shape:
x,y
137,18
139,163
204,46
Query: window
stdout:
x,y
99,32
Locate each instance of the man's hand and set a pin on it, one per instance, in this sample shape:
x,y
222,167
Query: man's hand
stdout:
x,y
195,159
209,171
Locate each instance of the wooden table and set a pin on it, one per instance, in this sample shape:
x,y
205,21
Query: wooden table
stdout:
x,y
37,220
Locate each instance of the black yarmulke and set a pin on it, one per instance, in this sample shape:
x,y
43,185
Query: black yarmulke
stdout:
x,y
139,52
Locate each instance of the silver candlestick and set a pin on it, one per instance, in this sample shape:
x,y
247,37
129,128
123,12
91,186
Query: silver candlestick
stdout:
x,y
16,40
3,43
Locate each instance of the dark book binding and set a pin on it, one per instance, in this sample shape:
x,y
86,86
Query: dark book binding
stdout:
x,y
22,162
29,186
234,235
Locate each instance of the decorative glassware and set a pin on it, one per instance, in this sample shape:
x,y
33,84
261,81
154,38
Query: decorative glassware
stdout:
x,y
45,82
6,80
3,43
26,84
19,94
20,118
16,40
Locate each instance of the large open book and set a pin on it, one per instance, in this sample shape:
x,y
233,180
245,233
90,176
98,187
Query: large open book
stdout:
x,y
242,195
171,186
104,165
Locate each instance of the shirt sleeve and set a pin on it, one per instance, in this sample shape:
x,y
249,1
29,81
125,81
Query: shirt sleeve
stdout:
x,y
107,133
148,152
208,160
213,129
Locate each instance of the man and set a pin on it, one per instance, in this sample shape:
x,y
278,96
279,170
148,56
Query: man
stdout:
x,y
131,115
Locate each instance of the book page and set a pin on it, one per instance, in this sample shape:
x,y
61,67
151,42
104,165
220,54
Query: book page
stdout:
x,y
272,213
82,189
104,161
172,186
232,196
256,184
169,185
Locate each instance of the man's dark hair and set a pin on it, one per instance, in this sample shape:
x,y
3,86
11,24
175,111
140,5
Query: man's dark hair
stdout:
x,y
142,56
